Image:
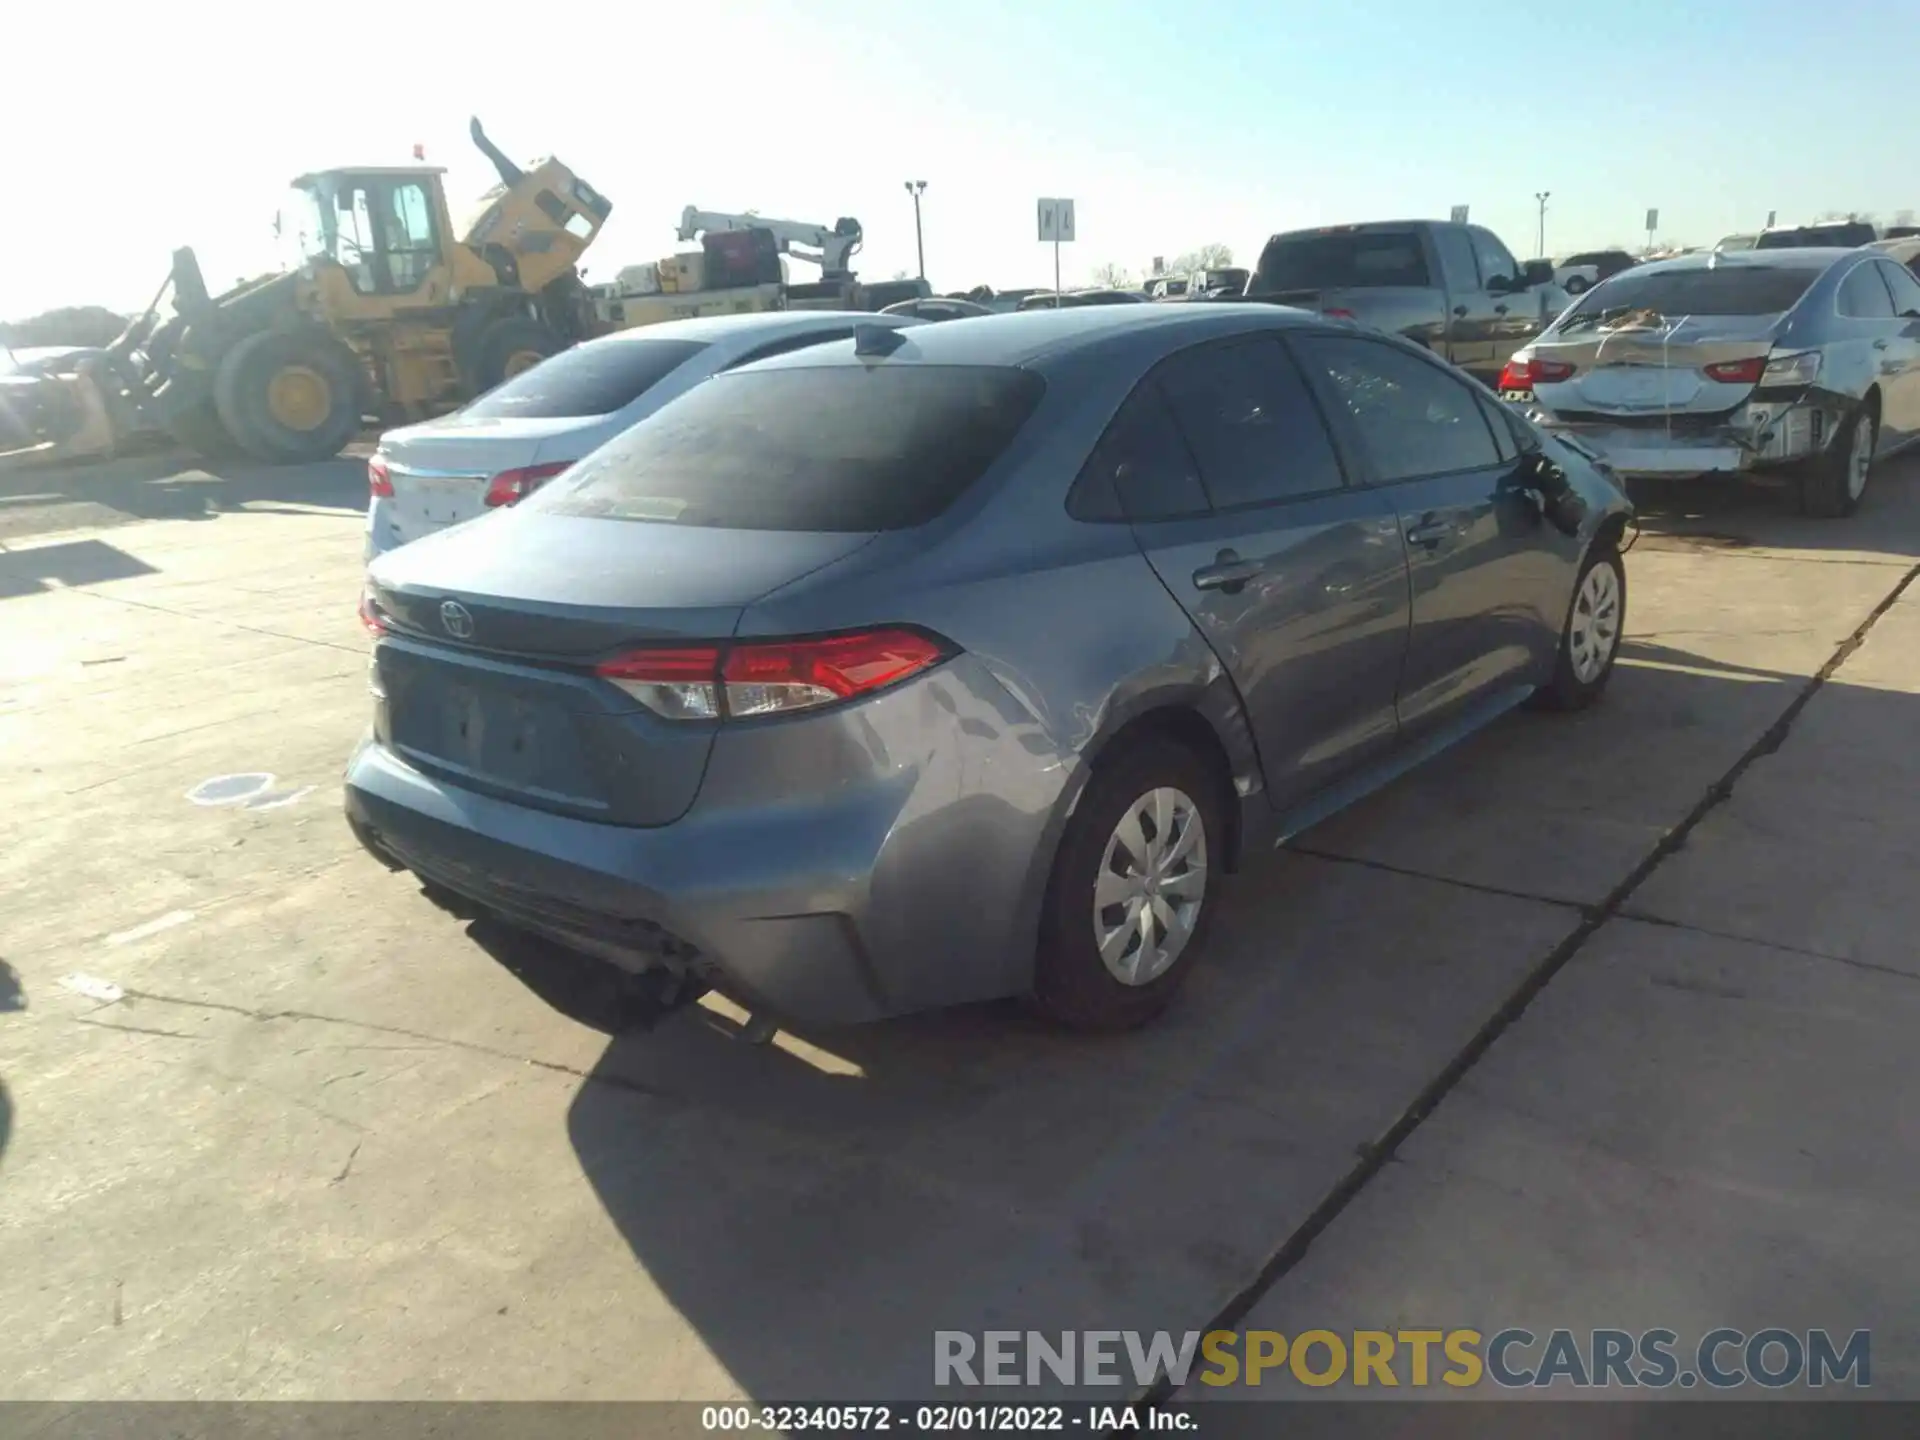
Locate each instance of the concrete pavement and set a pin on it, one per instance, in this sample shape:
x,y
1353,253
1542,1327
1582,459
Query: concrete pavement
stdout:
x,y
281,1129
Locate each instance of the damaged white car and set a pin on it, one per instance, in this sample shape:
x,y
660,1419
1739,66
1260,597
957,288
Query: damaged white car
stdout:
x,y
1798,365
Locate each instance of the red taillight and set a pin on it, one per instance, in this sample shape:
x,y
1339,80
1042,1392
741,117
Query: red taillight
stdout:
x,y
510,487
370,615
379,478
1738,372
704,682
1523,372
1338,314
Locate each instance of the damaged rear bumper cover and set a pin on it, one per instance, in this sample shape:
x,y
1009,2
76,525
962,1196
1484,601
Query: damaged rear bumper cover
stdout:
x,y
1759,436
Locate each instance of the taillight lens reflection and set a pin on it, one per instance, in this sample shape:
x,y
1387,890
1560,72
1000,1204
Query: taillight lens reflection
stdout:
x,y
744,681
1523,372
379,478
1738,372
510,487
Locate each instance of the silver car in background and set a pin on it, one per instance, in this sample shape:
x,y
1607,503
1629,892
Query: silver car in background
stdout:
x,y
519,435
1804,363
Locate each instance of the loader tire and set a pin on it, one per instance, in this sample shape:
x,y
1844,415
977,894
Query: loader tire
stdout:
x,y
289,398
512,345
199,430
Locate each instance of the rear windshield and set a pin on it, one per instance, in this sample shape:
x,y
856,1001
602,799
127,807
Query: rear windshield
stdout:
x,y
1344,262
1724,290
593,379
843,448
1859,233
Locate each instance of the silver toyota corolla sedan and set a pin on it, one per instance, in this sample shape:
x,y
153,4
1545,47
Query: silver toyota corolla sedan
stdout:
x,y
1803,363
959,662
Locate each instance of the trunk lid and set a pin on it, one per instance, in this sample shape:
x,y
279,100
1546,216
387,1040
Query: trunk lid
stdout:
x,y
494,629
440,470
1648,364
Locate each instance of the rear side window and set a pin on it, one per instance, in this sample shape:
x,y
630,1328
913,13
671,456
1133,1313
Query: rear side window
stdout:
x,y
592,379
1342,260
841,448
1906,289
1863,295
1141,469
1413,418
1247,415
1722,290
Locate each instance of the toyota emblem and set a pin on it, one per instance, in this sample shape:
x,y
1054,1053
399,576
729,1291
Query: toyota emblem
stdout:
x,y
457,619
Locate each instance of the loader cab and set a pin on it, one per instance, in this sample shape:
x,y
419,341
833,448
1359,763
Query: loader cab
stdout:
x,y
384,228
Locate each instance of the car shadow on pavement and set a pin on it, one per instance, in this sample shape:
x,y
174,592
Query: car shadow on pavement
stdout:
x,y
1711,515
815,1208
176,487
69,563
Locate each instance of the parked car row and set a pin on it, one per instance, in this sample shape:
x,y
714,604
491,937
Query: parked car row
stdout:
x,y
1800,365
873,665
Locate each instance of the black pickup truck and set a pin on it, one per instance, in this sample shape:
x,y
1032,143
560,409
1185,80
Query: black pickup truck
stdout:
x,y
1453,288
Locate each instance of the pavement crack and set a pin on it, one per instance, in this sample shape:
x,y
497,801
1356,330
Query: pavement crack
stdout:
x,y
217,620
347,1168
1641,917
1295,1247
1391,869
135,1029
437,1041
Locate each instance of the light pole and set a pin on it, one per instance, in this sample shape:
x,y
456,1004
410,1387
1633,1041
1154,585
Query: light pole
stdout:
x,y
1541,196
914,188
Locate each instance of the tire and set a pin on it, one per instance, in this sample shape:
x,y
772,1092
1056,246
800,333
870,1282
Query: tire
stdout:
x,y
1830,487
290,397
510,346
1577,680
1073,985
1576,285
199,430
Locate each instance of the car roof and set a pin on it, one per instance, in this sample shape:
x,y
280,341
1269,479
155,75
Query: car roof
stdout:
x,y
710,329
1805,257
1028,337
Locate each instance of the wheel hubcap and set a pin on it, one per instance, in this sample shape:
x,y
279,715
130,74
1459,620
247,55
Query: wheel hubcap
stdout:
x,y
1151,885
1860,458
522,360
299,397
1595,627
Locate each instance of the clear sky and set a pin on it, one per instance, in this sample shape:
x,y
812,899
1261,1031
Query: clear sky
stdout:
x,y
143,127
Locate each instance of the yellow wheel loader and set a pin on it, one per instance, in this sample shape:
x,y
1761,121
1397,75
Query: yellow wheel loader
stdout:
x,y
384,316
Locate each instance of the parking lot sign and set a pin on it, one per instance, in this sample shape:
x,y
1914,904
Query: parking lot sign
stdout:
x,y
1653,221
1459,214
1056,221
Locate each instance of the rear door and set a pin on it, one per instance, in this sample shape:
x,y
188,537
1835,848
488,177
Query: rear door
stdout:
x,y
1224,466
1488,577
1470,314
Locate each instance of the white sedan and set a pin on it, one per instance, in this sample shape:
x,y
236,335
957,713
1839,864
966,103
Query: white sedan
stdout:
x,y
522,433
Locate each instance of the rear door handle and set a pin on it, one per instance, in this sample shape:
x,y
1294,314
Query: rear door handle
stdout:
x,y
1879,344
1461,311
1427,532
1228,572
1499,309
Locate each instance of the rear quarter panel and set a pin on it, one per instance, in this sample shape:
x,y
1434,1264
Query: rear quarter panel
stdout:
x,y
1068,637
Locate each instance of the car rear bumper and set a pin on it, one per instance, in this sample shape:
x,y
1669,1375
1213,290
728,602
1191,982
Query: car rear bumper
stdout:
x,y
1757,438
884,881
